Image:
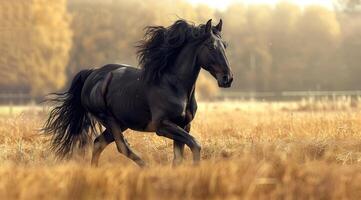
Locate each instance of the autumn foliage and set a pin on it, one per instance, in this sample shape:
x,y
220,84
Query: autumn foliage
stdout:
x,y
35,40
285,47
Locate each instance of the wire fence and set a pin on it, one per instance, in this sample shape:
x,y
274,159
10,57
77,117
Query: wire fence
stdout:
x,y
25,99
15,103
16,99
287,95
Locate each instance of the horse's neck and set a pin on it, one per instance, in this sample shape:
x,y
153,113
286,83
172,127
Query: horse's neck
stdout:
x,y
186,68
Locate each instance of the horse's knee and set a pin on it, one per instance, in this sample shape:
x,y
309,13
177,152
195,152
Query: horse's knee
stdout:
x,y
99,144
122,147
196,146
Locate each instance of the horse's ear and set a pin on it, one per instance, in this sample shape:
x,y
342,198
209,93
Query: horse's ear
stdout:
x,y
219,25
208,28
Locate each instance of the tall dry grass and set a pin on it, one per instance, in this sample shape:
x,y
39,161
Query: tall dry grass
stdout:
x,y
250,151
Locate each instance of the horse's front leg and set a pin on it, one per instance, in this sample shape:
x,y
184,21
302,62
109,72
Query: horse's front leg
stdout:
x,y
178,148
172,131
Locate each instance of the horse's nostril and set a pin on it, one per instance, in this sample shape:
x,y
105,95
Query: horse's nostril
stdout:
x,y
225,78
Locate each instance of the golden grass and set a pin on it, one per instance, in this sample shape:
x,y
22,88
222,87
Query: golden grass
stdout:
x,y
250,151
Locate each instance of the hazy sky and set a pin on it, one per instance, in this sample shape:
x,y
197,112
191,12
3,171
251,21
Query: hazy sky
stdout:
x,y
222,4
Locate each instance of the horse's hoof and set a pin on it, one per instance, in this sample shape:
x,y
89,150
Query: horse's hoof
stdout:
x,y
176,163
196,162
141,164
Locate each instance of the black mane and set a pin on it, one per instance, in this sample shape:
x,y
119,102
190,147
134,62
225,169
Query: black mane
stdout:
x,y
161,45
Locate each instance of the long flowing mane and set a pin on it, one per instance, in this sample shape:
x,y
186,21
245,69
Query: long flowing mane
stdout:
x,y
161,45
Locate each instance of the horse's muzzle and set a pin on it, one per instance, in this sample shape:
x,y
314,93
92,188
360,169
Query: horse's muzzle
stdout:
x,y
225,81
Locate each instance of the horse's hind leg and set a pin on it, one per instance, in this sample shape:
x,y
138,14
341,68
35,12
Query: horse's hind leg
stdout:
x,y
178,148
123,146
100,143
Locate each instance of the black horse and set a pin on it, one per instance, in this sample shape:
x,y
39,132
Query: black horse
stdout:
x,y
159,97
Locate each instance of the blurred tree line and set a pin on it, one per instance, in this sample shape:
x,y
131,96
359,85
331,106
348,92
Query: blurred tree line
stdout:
x,y
35,40
45,42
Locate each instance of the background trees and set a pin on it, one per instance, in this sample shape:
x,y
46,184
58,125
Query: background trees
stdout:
x,y
284,48
270,48
35,39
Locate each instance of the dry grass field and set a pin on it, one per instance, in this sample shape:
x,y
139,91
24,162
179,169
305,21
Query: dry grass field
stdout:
x,y
301,150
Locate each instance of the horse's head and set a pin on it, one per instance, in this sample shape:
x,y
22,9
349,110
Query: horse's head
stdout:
x,y
212,55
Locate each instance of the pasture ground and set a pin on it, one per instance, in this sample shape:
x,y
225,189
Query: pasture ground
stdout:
x,y
300,150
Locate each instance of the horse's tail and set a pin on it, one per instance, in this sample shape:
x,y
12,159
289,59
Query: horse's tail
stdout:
x,y
68,121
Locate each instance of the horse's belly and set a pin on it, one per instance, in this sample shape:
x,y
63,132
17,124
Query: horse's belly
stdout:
x,y
136,117
132,116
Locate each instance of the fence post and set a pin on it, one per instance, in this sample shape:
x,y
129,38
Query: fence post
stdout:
x,y
11,108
